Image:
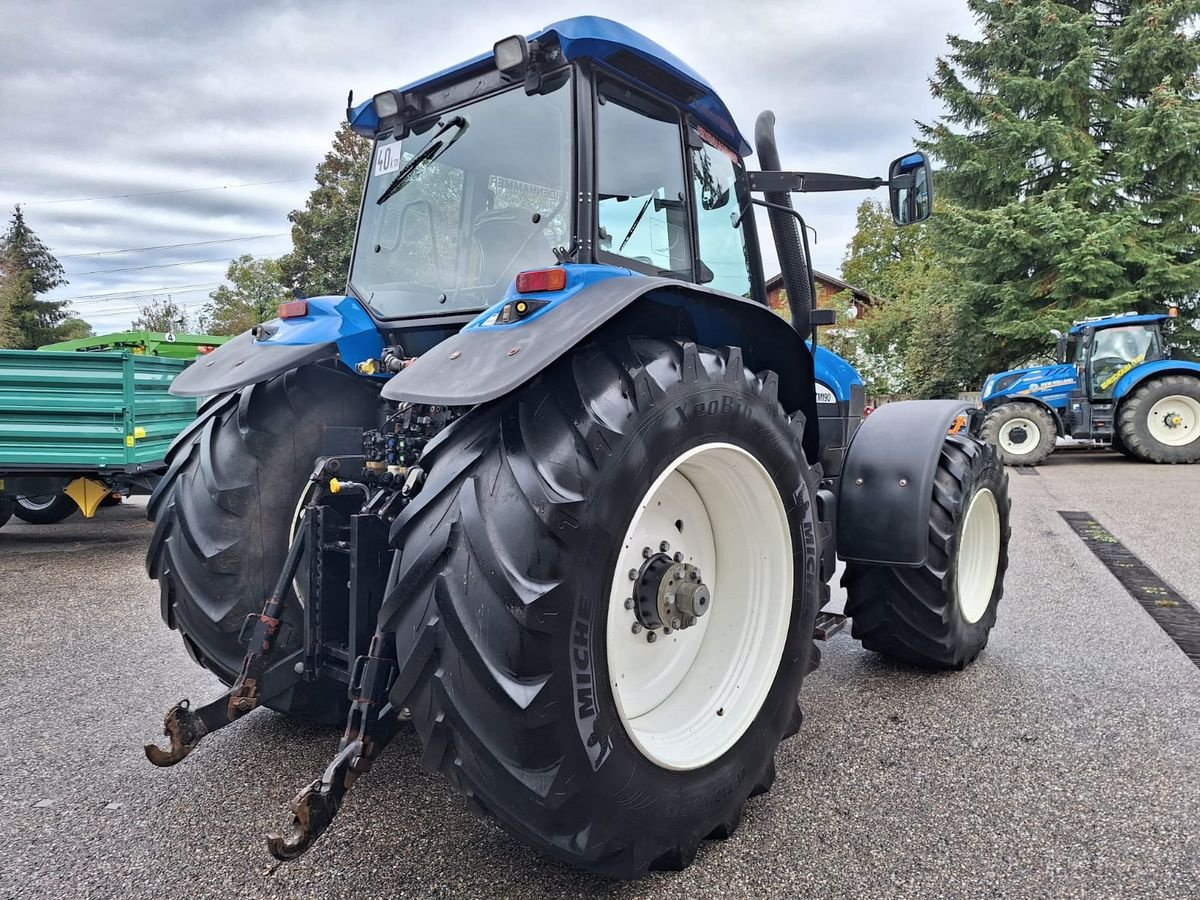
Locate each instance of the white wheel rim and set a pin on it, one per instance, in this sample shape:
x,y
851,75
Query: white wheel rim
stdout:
x,y
687,698
978,556
37,504
1019,446
1174,420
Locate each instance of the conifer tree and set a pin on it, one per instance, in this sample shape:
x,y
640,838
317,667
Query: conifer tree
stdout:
x,y
1071,170
27,270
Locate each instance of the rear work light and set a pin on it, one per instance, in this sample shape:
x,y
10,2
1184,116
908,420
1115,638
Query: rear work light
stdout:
x,y
541,280
293,309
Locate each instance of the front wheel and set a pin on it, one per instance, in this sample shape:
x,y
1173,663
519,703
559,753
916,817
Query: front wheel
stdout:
x,y
49,509
1022,433
939,616
605,598
1160,421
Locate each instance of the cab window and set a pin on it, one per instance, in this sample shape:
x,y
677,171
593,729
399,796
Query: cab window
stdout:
x,y
722,244
640,185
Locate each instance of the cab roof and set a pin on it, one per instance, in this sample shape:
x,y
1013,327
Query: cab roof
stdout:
x,y
1114,321
618,47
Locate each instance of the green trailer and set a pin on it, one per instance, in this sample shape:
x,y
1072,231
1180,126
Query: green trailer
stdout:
x,y
79,426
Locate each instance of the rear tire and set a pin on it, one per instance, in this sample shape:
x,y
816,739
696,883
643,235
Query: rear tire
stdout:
x,y
223,512
1022,433
1160,421
45,510
939,616
507,602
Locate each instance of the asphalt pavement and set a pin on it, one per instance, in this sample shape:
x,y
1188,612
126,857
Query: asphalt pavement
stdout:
x,y
1064,763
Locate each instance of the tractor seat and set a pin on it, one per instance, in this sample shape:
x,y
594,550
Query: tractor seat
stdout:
x,y
509,241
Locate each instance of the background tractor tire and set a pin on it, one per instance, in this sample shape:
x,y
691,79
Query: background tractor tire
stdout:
x,y
223,511
6,511
45,510
506,602
939,616
1022,433
1119,446
1142,420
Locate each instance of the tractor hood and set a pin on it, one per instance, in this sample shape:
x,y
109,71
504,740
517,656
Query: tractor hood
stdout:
x,y
1044,383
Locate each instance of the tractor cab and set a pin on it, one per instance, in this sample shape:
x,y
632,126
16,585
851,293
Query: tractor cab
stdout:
x,y
1105,349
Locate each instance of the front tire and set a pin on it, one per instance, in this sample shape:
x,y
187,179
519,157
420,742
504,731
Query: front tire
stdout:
x,y
45,510
528,683
939,616
223,511
1022,433
1160,421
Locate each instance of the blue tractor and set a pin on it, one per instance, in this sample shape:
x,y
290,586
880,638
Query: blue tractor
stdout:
x,y
551,484
1115,382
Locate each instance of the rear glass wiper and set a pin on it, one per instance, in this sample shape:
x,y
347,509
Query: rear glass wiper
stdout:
x,y
438,144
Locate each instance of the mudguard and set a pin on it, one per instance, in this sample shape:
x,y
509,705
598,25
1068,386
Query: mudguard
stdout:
x,y
490,358
334,326
1136,376
887,482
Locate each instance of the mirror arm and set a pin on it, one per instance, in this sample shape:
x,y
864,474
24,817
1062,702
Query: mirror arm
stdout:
x,y
809,182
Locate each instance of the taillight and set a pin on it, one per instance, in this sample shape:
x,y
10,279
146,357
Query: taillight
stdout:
x,y
293,309
541,280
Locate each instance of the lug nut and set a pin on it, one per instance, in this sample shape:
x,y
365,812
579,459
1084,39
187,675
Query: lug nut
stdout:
x,y
664,546
629,603
651,637
678,557
667,631
637,628
676,623
633,574
647,553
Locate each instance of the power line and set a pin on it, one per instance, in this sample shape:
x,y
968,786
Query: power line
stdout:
x,y
253,237
219,187
177,288
192,262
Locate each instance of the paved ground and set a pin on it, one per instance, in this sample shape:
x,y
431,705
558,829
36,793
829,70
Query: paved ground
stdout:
x,y
1065,763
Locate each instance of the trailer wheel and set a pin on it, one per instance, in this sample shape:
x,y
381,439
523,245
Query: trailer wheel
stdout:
x,y
556,526
223,510
6,511
939,615
1022,433
47,509
1160,421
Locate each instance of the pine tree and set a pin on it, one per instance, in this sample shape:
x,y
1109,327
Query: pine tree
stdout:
x,y
1071,172
27,270
323,232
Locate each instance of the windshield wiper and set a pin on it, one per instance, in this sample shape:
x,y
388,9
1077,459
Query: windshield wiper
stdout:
x,y
637,221
438,144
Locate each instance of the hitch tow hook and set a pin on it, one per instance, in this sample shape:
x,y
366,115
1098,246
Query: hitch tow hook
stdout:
x,y
185,727
371,725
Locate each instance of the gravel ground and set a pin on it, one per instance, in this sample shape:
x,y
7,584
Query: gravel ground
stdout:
x,y
1064,763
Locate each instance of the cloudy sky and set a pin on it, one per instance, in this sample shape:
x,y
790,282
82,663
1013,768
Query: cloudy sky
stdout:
x,y
199,124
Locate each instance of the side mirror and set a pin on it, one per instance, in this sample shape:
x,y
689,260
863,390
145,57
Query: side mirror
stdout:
x,y
910,184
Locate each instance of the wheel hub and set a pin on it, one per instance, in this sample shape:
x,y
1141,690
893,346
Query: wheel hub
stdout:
x,y
669,594
1018,435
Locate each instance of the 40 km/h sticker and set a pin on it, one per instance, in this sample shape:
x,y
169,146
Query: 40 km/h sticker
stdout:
x,y
387,158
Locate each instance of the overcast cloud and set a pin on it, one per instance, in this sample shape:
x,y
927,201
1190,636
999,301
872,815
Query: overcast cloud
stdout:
x,y
98,99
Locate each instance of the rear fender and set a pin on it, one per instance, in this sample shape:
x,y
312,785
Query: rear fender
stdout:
x,y
1158,368
887,482
490,358
335,327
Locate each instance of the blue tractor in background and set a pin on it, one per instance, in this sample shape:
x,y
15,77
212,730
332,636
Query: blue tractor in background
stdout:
x,y
1115,382
551,483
